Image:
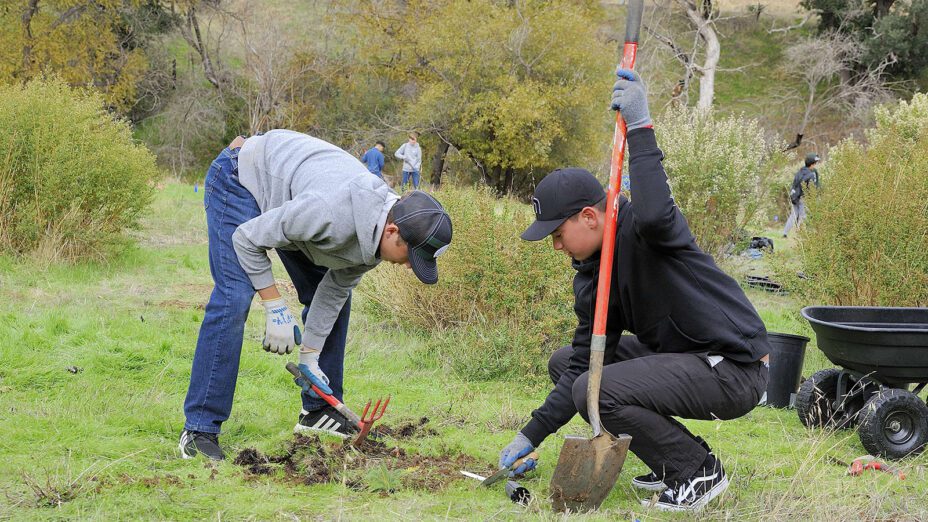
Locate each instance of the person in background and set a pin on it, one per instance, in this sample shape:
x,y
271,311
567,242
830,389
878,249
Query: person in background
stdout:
x,y
806,175
411,154
373,159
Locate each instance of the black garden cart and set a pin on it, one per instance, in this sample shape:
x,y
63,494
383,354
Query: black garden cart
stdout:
x,y
881,352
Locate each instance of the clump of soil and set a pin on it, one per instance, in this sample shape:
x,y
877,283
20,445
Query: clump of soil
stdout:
x,y
408,430
311,460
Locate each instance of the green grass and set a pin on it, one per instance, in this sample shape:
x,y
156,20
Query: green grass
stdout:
x,y
107,435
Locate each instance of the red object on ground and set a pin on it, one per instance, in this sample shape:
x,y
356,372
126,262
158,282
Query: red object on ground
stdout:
x,y
864,463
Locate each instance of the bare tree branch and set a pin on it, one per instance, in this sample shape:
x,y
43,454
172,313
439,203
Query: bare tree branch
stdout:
x,y
790,27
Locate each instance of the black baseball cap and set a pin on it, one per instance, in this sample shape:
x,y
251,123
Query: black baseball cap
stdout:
x,y
426,228
558,196
811,159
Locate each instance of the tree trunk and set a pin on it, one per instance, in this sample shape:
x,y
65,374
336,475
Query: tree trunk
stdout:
x,y
881,8
28,13
194,38
438,162
496,178
713,51
507,181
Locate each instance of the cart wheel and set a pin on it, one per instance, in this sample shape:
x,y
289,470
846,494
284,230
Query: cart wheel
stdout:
x,y
894,424
816,397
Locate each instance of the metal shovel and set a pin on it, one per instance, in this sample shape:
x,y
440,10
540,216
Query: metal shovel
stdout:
x,y
588,468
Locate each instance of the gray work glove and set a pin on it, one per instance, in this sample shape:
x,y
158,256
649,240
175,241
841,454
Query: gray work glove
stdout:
x,y
630,96
518,448
281,331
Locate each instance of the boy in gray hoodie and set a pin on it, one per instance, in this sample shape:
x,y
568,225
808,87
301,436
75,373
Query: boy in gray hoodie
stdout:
x,y
330,222
411,154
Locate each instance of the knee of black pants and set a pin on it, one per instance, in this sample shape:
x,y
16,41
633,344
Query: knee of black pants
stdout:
x,y
579,395
558,362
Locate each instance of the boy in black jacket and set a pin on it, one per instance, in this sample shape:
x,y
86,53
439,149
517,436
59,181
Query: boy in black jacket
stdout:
x,y
807,174
699,349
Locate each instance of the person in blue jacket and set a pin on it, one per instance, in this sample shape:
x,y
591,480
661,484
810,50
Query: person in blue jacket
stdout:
x,y
373,159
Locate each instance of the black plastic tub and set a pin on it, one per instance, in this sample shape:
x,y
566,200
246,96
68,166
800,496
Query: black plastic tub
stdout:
x,y
889,344
787,352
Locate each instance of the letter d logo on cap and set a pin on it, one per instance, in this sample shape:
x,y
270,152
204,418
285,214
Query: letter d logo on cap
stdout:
x,y
537,206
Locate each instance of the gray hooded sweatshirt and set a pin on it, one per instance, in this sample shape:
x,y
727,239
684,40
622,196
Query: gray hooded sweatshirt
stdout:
x,y
411,154
317,199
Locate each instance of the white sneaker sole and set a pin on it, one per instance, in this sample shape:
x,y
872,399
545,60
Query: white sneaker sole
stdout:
x,y
305,430
649,486
695,506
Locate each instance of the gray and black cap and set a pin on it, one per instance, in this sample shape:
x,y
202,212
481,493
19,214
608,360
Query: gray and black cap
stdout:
x,y
558,196
426,228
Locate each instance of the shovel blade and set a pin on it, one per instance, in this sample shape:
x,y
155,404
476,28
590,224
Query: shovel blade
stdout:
x,y
586,471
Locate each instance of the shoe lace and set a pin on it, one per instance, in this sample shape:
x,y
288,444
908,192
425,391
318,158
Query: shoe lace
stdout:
x,y
212,437
678,494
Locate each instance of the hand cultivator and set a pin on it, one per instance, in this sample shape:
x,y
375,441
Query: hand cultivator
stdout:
x,y
363,423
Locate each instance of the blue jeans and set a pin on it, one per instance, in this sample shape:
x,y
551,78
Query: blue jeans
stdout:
x,y
219,345
413,175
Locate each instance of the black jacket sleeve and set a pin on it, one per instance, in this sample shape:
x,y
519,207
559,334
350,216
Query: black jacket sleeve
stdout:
x,y
658,220
558,407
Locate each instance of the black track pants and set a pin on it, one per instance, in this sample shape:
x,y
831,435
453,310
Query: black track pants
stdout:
x,y
639,397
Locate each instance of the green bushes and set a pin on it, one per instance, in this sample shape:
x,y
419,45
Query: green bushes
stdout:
x,y
71,179
865,241
501,304
718,168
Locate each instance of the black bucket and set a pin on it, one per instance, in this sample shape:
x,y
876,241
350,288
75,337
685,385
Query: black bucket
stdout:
x,y
786,355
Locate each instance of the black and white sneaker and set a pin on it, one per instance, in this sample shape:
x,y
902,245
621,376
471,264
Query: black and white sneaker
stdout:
x,y
693,494
649,482
654,482
193,442
325,420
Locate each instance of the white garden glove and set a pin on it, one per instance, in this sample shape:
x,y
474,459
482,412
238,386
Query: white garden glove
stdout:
x,y
281,331
309,363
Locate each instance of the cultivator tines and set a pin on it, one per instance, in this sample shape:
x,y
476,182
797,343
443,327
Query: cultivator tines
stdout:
x,y
368,420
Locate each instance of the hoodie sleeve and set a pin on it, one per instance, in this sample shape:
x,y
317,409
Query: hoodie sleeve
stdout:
x,y
657,219
304,219
559,407
417,158
330,297
400,152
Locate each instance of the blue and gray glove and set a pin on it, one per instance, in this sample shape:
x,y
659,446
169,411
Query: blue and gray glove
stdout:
x,y
309,366
518,448
630,96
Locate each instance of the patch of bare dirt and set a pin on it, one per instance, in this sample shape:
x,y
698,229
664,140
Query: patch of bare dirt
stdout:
x,y
311,460
407,430
183,305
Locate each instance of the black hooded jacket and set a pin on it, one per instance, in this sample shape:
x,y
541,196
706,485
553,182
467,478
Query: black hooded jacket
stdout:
x,y
665,290
801,180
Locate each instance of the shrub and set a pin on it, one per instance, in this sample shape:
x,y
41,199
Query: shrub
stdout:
x,y
71,179
501,304
718,168
864,242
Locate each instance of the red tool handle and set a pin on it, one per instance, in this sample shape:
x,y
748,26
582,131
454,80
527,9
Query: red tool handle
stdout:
x,y
598,343
629,52
333,402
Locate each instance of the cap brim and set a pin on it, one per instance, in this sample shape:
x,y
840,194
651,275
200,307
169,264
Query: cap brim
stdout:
x,y
425,269
541,229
